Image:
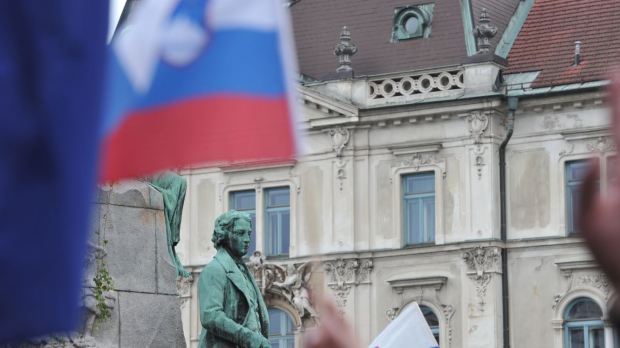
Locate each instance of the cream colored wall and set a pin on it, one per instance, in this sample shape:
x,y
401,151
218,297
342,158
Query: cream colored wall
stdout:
x,y
549,132
348,206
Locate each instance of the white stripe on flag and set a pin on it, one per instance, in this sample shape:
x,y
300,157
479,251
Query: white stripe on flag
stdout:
x,y
243,14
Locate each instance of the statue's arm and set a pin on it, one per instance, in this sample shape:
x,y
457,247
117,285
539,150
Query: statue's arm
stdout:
x,y
211,289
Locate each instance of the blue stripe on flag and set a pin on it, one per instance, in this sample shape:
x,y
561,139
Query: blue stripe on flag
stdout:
x,y
234,62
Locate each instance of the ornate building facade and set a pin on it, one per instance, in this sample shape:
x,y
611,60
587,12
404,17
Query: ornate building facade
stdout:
x,y
444,150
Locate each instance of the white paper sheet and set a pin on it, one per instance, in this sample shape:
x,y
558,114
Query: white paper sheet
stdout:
x,y
408,330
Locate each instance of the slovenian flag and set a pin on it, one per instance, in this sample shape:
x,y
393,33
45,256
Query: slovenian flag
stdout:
x,y
199,82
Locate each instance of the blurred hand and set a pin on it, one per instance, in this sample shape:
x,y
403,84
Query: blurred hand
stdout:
x,y
334,331
599,216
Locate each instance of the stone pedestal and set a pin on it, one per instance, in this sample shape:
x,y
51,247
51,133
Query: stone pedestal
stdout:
x,y
131,230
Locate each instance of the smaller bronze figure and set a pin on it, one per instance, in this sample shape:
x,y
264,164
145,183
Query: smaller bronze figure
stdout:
x,y
232,310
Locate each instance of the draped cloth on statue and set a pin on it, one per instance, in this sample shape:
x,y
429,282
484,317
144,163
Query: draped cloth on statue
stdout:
x,y
172,188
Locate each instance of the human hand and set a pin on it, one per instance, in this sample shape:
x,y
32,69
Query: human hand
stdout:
x,y
333,332
599,215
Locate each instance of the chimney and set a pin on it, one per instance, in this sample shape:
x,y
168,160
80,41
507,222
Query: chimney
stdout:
x,y
577,58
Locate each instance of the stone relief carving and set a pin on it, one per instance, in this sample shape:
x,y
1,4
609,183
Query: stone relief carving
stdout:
x,y
341,173
294,288
344,274
340,138
391,313
568,149
478,152
419,160
481,263
448,313
598,281
478,123
597,144
581,275
602,145
290,282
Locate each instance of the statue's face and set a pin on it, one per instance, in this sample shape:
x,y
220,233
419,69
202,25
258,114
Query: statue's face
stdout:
x,y
239,238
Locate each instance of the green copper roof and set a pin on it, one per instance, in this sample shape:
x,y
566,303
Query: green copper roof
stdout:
x,y
468,27
514,27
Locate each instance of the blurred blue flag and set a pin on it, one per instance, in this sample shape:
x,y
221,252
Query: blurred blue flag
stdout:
x,y
51,67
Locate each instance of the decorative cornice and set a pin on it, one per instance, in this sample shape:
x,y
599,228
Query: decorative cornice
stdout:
x,y
403,282
421,161
327,105
569,266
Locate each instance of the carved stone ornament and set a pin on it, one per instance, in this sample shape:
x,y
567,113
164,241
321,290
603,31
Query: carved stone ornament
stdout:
x,y
420,160
598,281
286,281
484,32
478,153
602,145
344,50
481,263
577,279
391,313
448,313
344,274
340,139
477,124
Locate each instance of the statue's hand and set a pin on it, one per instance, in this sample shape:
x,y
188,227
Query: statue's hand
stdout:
x,y
259,341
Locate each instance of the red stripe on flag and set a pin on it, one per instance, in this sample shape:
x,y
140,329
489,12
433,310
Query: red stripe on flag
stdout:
x,y
225,129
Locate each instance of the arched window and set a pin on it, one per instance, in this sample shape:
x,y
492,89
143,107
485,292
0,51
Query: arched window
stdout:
x,y
583,324
431,320
281,329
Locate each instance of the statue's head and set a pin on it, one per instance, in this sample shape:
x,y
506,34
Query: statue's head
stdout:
x,y
232,231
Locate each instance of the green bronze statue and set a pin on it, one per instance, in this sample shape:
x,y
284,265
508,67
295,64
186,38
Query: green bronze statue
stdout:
x,y
232,310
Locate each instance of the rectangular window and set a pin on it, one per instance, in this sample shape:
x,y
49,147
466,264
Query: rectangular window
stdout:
x,y
245,201
575,172
419,208
277,221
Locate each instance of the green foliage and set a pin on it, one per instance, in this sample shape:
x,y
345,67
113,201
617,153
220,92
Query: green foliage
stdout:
x,y
103,284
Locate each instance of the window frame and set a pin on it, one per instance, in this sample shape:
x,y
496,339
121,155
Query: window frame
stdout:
x,y
435,330
603,163
283,337
405,198
586,325
259,230
231,201
397,203
570,228
267,240
441,319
